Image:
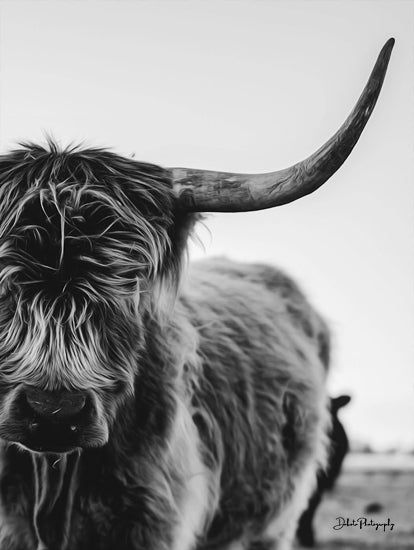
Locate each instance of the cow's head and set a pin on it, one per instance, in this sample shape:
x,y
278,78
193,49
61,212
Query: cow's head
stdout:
x,y
85,239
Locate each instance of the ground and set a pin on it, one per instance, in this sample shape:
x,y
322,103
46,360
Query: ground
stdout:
x,y
371,487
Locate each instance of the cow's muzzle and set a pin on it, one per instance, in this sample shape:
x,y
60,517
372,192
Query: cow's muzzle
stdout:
x,y
54,421
59,405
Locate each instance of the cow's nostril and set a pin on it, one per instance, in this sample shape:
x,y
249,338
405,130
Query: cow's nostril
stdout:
x,y
55,404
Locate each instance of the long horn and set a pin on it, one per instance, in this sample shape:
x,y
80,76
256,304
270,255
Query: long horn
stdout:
x,y
209,191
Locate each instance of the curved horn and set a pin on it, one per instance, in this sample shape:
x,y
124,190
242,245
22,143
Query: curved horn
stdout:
x,y
209,191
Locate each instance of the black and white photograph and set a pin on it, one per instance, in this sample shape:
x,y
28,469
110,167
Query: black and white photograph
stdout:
x,y
206,274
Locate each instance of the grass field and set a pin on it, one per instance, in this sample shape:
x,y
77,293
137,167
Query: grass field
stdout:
x,y
383,485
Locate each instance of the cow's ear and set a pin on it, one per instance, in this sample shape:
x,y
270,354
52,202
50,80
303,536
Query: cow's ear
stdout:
x,y
166,286
341,401
182,229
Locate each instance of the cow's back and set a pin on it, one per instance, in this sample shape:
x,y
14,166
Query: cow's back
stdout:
x,y
263,351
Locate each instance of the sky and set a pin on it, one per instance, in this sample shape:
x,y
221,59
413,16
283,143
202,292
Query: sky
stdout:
x,y
252,86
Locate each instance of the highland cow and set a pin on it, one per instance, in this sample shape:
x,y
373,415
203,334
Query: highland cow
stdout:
x,y
141,409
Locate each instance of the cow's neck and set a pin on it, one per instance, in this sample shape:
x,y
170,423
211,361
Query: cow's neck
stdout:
x,y
56,481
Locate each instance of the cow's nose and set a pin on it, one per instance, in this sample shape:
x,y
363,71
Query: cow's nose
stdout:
x,y
55,404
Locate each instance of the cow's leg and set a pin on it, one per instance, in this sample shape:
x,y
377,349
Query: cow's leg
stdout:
x,y
280,533
305,532
175,495
149,521
141,518
199,485
153,525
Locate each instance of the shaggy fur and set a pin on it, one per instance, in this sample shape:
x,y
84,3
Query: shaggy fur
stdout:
x,y
207,411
